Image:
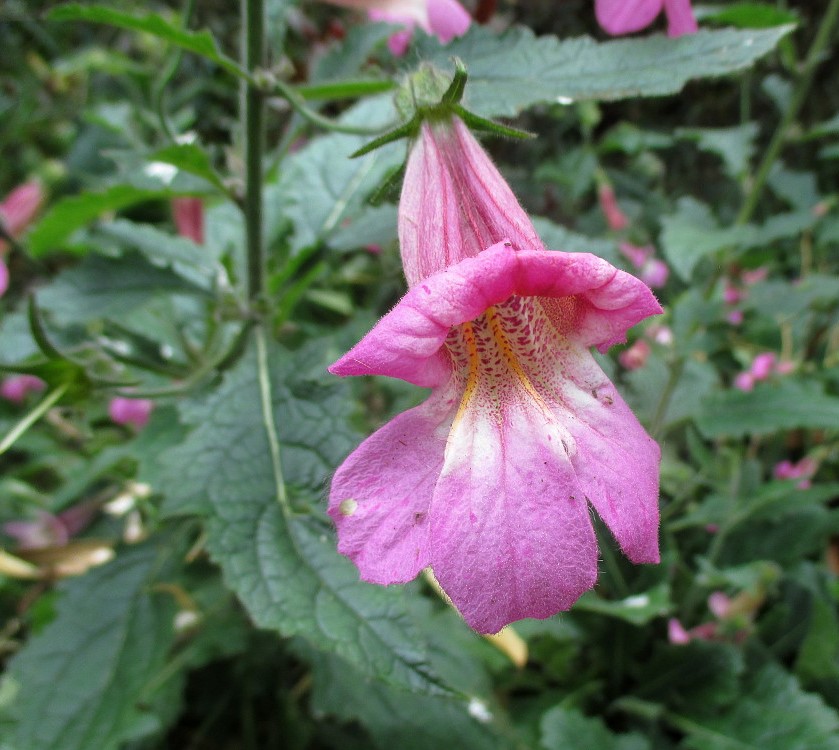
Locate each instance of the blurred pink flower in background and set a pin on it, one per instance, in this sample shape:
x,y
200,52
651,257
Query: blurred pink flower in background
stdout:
x,y
652,271
4,277
445,19
804,470
635,356
626,16
17,387
20,207
130,411
744,381
615,218
188,214
763,366
50,530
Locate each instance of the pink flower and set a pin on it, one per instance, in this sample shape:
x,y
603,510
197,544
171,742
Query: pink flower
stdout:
x,y
763,365
731,294
804,470
655,273
676,633
719,604
615,218
660,334
636,356
189,218
637,255
445,19
50,530
744,381
487,481
130,411
625,16
4,277
17,387
20,207
735,317
754,276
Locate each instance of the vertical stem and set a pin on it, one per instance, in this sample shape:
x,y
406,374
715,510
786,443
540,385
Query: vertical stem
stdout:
x,y
253,49
814,57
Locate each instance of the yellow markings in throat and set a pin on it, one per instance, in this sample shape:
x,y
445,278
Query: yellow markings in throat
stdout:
x,y
508,354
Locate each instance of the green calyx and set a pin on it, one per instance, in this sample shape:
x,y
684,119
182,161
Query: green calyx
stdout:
x,y
429,95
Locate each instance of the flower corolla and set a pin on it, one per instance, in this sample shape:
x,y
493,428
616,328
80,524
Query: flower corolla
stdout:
x,y
626,16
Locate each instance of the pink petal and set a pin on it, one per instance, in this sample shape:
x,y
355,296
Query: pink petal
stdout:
x,y
17,387
600,303
447,19
381,494
133,411
676,633
20,207
680,18
399,42
4,277
510,527
189,218
455,203
625,16
763,365
615,218
655,273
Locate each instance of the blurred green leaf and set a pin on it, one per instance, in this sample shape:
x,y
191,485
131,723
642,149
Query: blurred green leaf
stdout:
x,y
199,42
543,69
750,15
565,728
768,408
735,146
190,158
82,681
771,712
282,564
637,609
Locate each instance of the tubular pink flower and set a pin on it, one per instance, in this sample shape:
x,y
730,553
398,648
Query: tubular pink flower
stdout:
x,y
744,381
615,218
20,207
455,203
489,480
133,411
445,19
17,387
636,356
188,214
626,16
4,277
763,365
655,273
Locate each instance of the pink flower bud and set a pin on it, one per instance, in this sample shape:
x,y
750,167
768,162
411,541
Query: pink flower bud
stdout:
x,y
731,294
636,356
754,276
20,207
189,218
17,387
744,382
763,365
735,317
637,255
615,218
785,367
46,531
661,335
676,633
655,273
4,277
720,605
130,411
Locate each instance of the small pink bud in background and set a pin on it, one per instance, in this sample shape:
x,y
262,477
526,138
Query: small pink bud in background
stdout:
x,y
763,365
676,633
615,218
373,249
20,207
133,411
188,214
4,277
744,382
820,209
46,531
720,605
712,528
655,273
754,276
804,470
17,387
637,255
735,317
785,367
636,356
731,294
660,334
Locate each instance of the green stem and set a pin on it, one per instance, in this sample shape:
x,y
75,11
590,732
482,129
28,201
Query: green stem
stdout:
x,y
676,370
814,57
33,416
253,23
174,62
268,421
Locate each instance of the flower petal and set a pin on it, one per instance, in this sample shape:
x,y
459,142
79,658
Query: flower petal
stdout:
x,y
511,535
680,18
381,494
405,343
625,16
447,19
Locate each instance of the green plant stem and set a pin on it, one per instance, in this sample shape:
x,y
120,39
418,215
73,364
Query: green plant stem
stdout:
x,y
253,23
814,57
171,67
24,424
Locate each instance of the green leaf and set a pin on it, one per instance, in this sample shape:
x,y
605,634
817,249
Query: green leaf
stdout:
x,y
81,681
751,15
544,69
637,609
194,263
199,42
394,718
283,563
565,728
101,287
321,188
735,146
772,712
70,214
557,237
190,158
692,234
770,407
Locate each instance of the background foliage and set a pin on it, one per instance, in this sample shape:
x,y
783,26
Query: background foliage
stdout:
x,y
203,605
